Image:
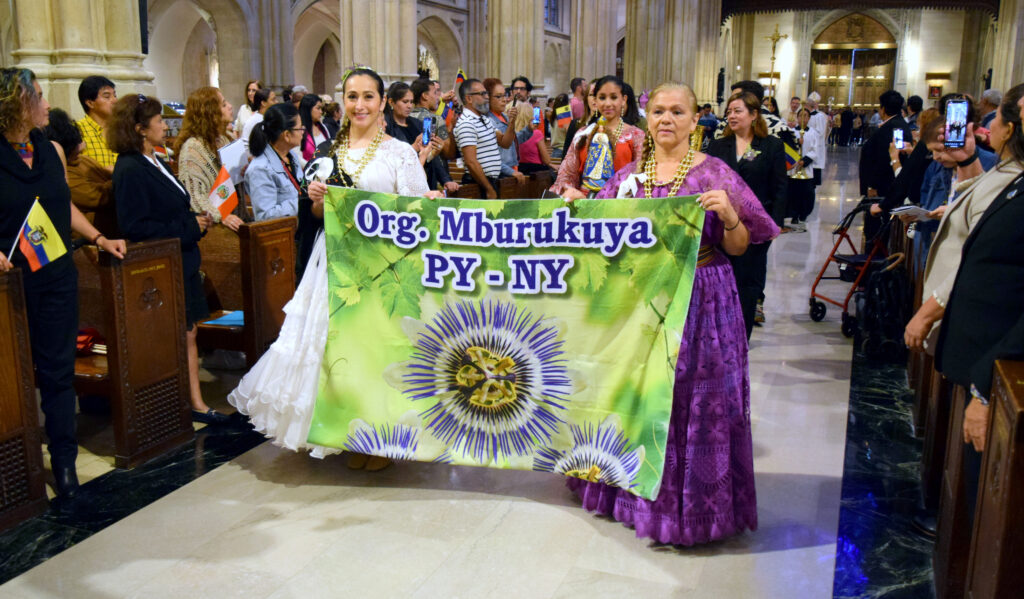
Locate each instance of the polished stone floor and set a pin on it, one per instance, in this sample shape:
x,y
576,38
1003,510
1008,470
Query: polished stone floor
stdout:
x,y
271,523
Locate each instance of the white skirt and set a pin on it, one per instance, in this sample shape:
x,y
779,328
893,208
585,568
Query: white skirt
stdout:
x,y
279,392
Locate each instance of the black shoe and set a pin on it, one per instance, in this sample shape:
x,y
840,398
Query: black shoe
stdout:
x,y
925,525
66,480
210,417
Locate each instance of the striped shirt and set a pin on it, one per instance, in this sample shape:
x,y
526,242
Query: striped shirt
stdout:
x,y
476,130
96,142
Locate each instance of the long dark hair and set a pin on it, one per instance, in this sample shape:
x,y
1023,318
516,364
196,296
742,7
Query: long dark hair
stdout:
x,y
1009,113
278,119
603,81
632,114
254,105
306,105
261,96
396,92
345,123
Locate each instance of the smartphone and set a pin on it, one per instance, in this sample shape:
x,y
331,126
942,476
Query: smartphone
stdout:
x,y
956,123
536,116
427,122
897,138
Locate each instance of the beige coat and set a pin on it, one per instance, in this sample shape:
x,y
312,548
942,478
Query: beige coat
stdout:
x,y
957,223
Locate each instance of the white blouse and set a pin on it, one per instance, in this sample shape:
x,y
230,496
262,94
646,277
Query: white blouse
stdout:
x,y
395,168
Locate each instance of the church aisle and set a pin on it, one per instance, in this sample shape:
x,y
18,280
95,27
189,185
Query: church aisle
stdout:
x,y
271,523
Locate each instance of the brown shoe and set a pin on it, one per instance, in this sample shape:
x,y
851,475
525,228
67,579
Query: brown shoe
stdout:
x,y
376,464
357,461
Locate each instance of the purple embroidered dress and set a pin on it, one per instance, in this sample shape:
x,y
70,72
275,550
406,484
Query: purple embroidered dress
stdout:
x,y
707,490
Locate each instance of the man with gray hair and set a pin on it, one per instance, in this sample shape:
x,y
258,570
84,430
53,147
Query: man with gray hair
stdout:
x,y
990,100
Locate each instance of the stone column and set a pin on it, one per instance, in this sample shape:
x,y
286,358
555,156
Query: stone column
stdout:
x,y
276,48
123,54
35,41
1008,67
515,40
382,35
972,51
593,39
476,40
673,40
64,41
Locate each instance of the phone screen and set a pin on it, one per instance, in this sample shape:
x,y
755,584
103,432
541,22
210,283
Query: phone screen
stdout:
x,y
897,138
427,122
956,123
536,116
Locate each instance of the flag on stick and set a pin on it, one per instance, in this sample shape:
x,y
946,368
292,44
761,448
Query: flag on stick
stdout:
x,y
38,239
223,196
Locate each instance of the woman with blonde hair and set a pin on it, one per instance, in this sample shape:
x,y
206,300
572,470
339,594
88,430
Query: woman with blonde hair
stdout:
x,y
707,490
203,132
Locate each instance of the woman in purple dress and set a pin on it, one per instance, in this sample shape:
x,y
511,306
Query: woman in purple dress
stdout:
x,y
707,490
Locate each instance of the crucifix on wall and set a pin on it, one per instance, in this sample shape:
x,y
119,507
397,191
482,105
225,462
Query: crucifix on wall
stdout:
x,y
774,39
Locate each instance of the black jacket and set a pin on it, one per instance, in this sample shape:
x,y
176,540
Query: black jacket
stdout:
x,y
151,206
19,187
907,185
765,174
984,318
875,168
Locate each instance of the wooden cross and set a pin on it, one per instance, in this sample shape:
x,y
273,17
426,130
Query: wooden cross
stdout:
x,y
774,38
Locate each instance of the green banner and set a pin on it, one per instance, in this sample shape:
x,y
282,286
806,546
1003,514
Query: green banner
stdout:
x,y
523,334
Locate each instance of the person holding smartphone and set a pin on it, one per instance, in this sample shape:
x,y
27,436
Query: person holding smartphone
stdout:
x,y
876,173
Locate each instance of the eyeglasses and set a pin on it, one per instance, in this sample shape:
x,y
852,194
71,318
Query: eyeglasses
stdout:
x,y
518,89
482,94
297,129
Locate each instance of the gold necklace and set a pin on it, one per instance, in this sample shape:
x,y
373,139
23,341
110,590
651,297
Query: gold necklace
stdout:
x,y
651,168
343,149
618,132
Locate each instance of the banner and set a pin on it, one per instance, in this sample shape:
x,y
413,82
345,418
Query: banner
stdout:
x,y
523,334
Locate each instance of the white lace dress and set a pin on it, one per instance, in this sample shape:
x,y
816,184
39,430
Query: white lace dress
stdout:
x,y
279,392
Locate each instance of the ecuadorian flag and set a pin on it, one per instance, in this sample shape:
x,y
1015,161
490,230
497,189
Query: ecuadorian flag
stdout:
x,y
39,240
563,114
792,156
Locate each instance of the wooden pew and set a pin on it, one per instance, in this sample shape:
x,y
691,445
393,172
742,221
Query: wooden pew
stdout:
x,y
21,455
938,397
952,541
252,271
539,183
509,189
997,547
138,305
469,191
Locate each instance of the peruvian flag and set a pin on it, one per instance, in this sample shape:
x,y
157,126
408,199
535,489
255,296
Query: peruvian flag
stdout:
x,y
223,196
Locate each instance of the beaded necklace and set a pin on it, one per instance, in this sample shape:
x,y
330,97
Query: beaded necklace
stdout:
x,y
342,153
651,168
25,150
618,132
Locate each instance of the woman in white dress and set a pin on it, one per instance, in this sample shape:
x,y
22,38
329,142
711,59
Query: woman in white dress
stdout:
x,y
279,392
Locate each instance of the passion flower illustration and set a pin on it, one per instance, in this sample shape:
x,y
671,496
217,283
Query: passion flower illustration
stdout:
x,y
599,454
493,374
399,441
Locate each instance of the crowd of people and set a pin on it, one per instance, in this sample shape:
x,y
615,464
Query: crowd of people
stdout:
x,y
105,179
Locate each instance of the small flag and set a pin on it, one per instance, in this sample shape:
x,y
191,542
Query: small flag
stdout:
x,y
792,156
443,109
563,114
223,196
39,240
459,78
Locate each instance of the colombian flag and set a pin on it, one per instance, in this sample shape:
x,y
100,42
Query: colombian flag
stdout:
x,y
459,78
563,114
792,156
223,196
443,109
39,240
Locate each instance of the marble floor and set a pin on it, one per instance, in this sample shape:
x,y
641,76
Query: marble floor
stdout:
x,y
271,523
